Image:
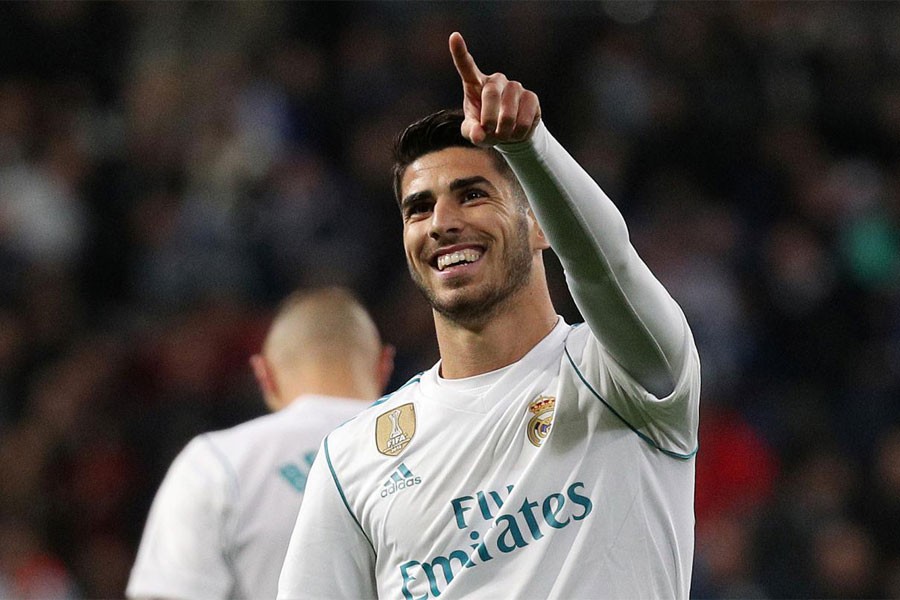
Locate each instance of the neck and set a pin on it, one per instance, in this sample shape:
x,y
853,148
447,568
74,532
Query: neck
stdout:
x,y
347,381
468,350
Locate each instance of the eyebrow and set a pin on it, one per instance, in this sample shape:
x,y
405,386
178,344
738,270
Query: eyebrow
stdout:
x,y
415,198
455,185
458,184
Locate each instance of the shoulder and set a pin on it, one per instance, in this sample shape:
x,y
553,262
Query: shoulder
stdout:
x,y
196,474
404,393
220,454
359,433
227,442
579,340
306,420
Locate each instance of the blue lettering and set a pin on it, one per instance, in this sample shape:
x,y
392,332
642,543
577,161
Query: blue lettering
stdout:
x,y
441,570
496,498
294,476
481,549
512,530
459,509
446,567
483,505
580,500
407,579
526,510
550,512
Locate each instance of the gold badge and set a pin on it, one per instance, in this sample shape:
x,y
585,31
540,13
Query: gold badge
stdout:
x,y
540,424
395,429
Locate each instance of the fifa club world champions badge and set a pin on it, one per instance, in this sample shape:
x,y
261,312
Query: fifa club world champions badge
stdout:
x,y
539,426
395,429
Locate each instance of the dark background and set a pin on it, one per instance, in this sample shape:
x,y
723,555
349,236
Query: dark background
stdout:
x,y
169,171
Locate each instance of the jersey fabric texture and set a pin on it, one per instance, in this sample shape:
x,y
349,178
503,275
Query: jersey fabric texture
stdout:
x,y
221,520
559,476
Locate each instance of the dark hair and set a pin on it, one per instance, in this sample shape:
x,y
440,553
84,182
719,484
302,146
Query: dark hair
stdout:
x,y
436,132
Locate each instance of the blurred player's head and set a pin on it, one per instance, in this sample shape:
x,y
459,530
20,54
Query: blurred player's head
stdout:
x,y
322,341
472,244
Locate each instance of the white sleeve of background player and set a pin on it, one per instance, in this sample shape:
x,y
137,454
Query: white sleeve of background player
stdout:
x,y
634,317
328,557
181,551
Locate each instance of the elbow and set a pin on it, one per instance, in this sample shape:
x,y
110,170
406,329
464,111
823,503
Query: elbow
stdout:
x,y
659,382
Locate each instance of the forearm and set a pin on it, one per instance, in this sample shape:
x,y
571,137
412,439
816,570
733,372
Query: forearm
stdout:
x,y
626,307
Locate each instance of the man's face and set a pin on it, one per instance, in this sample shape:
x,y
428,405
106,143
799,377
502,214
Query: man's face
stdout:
x,y
469,242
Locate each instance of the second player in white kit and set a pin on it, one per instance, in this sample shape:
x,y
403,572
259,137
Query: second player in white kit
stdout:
x,y
221,520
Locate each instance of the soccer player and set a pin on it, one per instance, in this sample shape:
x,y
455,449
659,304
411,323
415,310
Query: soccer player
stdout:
x,y
535,459
220,523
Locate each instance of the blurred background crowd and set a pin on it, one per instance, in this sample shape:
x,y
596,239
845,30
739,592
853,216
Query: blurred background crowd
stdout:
x,y
169,171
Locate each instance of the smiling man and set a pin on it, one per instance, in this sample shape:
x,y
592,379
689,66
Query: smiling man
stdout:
x,y
445,241
535,459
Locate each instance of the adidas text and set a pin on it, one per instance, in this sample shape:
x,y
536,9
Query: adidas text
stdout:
x,y
396,486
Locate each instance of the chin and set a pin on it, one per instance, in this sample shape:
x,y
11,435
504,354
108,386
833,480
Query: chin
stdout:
x,y
468,307
471,303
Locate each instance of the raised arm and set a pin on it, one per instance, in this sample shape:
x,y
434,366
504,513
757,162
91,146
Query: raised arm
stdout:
x,y
626,307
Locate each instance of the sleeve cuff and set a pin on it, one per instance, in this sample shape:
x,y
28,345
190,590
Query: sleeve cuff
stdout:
x,y
532,145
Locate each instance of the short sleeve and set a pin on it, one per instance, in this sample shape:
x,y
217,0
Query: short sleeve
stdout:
x,y
182,550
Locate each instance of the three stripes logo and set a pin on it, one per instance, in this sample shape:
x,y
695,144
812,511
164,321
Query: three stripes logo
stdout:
x,y
400,479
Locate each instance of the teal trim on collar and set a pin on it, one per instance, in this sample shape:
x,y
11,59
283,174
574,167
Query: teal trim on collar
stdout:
x,y
385,398
343,497
643,436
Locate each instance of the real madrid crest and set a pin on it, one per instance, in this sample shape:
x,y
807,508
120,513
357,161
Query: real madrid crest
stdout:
x,y
395,429
539,425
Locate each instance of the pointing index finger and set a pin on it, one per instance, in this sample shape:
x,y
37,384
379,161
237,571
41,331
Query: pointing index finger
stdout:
x,y
463,61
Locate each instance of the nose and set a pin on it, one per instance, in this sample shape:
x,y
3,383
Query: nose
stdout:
x,y
446,218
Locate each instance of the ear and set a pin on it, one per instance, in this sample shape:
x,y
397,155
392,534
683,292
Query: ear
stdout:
x,y
385,366
538,237
265,379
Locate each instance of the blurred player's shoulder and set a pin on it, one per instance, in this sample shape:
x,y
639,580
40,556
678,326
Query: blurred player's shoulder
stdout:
x,y
300,425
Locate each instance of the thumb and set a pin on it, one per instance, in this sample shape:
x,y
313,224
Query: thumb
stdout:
x,y
472,130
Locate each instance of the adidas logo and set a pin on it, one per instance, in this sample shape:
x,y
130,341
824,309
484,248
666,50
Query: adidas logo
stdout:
x,y
400,479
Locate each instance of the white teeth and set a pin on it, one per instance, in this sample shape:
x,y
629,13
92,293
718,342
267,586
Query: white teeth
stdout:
x,y
468,255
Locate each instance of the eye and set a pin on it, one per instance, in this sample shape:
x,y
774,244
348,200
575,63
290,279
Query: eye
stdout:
x,y
417,208
474,194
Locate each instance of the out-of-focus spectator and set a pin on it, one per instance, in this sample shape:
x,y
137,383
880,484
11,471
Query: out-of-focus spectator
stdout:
x,y
723,566
28,569
819,488
881,511
845,561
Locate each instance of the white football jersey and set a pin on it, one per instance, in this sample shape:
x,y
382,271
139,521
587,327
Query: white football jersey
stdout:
x,y
220,523
551,482
558,476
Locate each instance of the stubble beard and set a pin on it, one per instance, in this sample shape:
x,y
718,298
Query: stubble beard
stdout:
x,y
473,308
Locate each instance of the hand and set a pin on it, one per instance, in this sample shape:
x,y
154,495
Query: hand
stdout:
x,y
497,110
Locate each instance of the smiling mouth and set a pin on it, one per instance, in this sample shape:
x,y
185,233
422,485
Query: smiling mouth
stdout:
x,y
460,257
